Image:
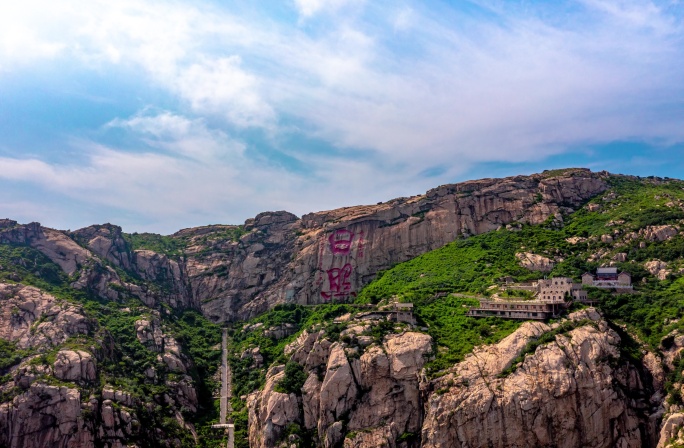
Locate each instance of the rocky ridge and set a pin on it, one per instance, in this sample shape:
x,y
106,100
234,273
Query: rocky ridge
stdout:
x,y
279,258
358,390
578,389
53,397
575,391
371,392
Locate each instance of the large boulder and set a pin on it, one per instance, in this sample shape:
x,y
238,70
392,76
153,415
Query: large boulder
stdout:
x,y
75,365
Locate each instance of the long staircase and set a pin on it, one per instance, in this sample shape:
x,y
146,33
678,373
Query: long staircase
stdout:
x,y
226,388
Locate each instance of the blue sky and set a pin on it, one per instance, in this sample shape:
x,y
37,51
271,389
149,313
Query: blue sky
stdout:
x,y
160,115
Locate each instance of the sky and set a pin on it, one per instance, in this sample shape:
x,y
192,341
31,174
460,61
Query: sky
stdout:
x,y
162,115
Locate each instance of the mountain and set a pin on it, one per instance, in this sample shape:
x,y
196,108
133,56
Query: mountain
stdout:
x,y
237,272
108,338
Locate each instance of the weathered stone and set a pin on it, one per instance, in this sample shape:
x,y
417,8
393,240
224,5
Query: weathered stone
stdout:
x,y
381,389
658,233
534,262
75,365
658,269
620,257
285,259
44,416
566,394
34,318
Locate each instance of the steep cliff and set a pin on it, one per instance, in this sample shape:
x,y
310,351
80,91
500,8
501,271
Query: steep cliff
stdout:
x,y
355,394
101,344
237,272
578,390
568,384
65,382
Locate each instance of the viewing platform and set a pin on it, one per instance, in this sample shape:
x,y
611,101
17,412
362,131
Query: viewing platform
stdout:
x,y
518,309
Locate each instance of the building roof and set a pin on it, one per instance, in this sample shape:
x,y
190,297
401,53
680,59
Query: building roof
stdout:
x,y
606,270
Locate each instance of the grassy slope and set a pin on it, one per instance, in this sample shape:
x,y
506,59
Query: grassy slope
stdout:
x,y
472,265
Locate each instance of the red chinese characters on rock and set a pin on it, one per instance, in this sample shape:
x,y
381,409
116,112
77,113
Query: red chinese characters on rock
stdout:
x,y
341,241
361,245
338,278
341,244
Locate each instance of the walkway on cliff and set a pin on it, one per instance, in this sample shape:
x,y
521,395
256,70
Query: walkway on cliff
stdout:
x,y
226,389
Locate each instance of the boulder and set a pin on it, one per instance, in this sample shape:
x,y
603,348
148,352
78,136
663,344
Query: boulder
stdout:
x,y
75,365
534,262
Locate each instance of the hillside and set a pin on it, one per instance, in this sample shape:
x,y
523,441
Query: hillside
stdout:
x,y
112,335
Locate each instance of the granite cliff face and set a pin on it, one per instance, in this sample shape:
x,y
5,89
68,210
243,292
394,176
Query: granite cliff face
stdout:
x,y
54,397
67,385
576,390
371,391
232,272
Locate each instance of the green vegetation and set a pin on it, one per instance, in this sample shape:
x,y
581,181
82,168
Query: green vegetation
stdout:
x,y
454,333
122,359
174,246
471,266
23,264
161,244
653,313
10,355
247,379
441,284
544,339
293,380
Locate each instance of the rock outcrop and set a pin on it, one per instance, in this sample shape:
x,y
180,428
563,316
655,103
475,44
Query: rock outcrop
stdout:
x,y
33,318
374,394
658,269
56,245
75,365
658,233
45,416
322,257
53,396
575,391
534,262
234,272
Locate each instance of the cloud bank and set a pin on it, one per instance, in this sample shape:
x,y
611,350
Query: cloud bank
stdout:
x,y
316,104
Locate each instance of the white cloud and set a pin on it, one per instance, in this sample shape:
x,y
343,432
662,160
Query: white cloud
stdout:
x,y
221,87
403,19
180,135
309,8
641,14
175,188
412,85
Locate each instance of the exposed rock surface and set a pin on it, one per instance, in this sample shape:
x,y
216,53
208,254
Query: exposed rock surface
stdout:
x,y
45,416
658,269
534,262
376,395
56,245
577,390
75,365
572,392
32,318
232,272
35,412
658,233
